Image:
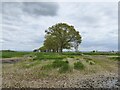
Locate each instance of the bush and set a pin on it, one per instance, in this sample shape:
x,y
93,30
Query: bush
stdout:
x,y
78,66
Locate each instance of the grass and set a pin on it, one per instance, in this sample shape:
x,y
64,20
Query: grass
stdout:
x,y
54,67
79,65
63,66
6,54
48,56
115,58
99,53
30,64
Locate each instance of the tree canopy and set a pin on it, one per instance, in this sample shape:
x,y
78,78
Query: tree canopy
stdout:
x,y
61,36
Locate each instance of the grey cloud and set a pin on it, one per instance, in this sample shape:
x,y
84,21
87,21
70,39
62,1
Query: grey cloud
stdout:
x,y
107,42
31,8
40,8
24,24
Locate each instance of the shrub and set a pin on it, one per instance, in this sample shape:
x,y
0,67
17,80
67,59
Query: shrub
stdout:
x,y
78,65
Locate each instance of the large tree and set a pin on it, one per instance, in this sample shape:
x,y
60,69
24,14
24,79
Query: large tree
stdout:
x,y
62,36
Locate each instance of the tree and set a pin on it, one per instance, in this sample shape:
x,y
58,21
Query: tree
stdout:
x,y
42,49
62,36
51,44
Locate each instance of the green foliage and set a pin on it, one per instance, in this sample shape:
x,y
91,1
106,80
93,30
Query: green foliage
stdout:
x,y
61,36
78,66
42,49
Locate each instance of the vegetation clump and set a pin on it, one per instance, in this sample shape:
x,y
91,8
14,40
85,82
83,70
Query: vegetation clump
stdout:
x,y
79,65
62,66
91,62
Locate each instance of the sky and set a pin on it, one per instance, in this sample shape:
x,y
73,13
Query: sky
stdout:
x,y
24,23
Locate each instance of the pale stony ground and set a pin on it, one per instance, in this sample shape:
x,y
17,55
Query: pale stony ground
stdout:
x,y
101,75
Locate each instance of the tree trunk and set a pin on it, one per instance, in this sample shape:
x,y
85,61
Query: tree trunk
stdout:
x,y
61,50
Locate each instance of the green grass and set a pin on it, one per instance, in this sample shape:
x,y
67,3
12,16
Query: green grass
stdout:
x,y
78,66
72,53
65,68
62,66
100,53
48,56
6,54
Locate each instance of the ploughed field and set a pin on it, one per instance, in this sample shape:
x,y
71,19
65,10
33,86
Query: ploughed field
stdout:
x,y
53,70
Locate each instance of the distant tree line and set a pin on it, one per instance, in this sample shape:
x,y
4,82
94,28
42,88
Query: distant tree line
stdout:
x,y
60,36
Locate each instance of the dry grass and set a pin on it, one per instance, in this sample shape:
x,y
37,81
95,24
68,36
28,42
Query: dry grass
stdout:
x,y
30,73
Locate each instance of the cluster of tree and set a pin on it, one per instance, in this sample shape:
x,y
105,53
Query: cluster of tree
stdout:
x,y
60,36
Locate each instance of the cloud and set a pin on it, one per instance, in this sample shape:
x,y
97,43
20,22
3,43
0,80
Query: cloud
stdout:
x,y
24,23
32,8
36,8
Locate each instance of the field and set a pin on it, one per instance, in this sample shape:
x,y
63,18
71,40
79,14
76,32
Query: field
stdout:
x,y
56,70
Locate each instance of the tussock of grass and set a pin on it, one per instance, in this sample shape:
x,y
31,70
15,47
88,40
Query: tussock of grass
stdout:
x,y
91,62
63,66
79,65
